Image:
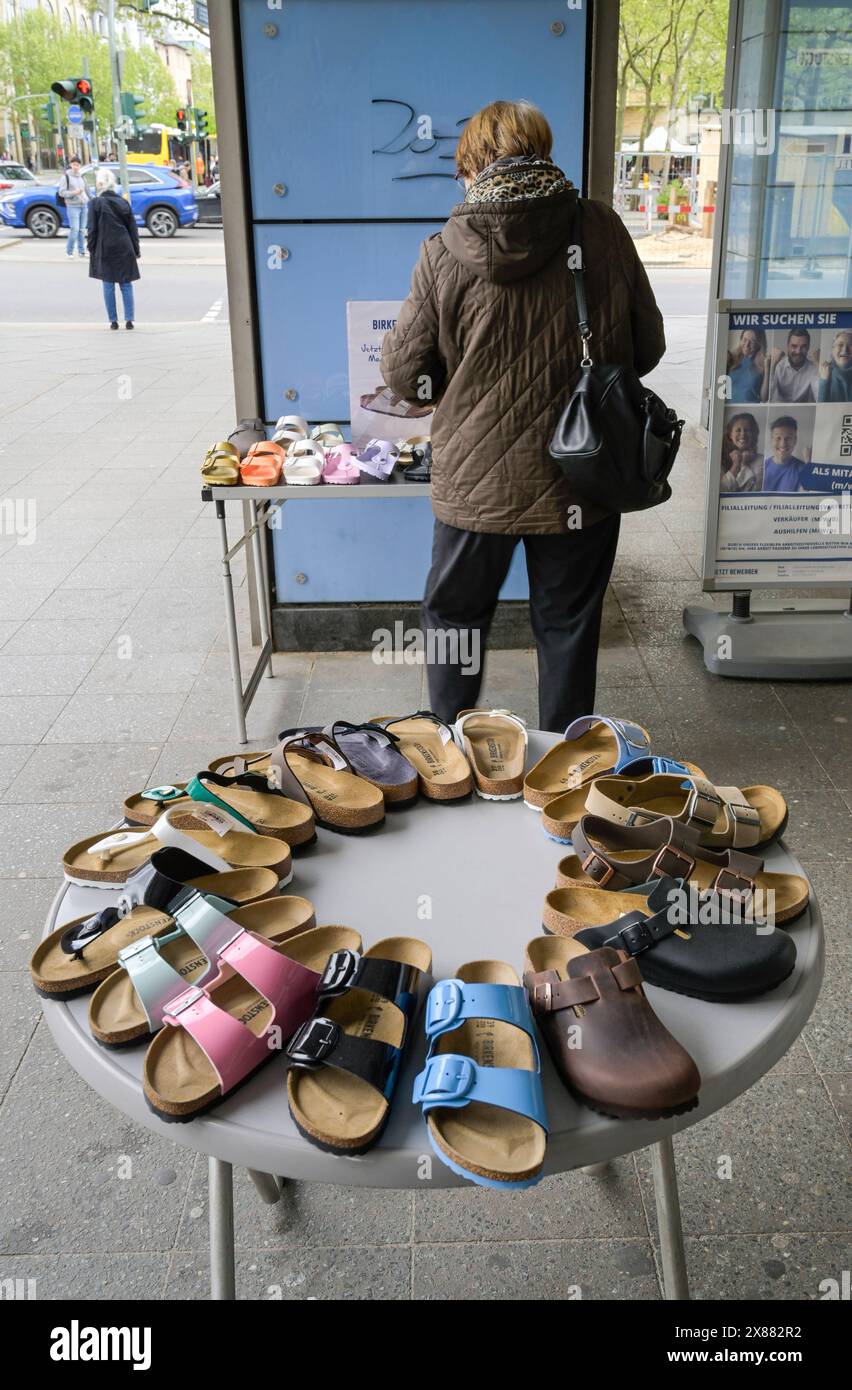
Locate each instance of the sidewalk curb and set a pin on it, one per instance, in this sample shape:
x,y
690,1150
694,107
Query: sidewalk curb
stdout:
x,y
15,241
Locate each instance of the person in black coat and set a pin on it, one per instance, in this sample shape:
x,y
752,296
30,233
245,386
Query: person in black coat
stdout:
x,y
114,250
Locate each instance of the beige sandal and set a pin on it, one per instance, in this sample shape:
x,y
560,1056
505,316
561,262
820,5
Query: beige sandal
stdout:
x,y
495,744
443,771
310,768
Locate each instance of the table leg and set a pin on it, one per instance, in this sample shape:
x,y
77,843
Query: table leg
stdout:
x,y
259,557
220,1197
231,625
675,1278
268,1186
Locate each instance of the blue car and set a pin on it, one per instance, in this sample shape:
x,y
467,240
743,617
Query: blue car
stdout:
x,y
160,200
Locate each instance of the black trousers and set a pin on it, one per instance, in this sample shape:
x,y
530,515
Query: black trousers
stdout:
x,y
568,575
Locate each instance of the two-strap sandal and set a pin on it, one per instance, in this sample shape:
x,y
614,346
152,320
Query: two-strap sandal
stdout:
x,y
444,773
495,745
262,465
72,959
345,1060
622,857
692,946
217,1036
608,1045
247,796
304,464
221,466
723,817
130,1003
481,1089
311,768
209,832
592,745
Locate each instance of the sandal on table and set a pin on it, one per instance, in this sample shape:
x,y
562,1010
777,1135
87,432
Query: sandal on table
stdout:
x,y
621,857
247,795
80,953
310,767
378,458
495,744
594,1015
129,1004
304,464
721,961
420,468
481,1088
289,429
724,817
221,466
210,833
590,747
216,1037
427,742
327,436
345,1061
262,465
341,466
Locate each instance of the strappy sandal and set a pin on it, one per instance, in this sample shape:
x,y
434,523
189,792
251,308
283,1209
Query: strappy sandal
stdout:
x,y
593,745
481,1088
621,857
411,449
311,768
345,1061
495,744
210,833
289,429
80,953
328,436
247,796
129,1004
221,466
216,1038
384,401
720,961
304,464
341,466
378,458
262,465
609,1047
722,817
427,742
248,432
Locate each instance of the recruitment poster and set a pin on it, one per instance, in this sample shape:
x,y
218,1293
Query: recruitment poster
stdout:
x,y
375,411
780,489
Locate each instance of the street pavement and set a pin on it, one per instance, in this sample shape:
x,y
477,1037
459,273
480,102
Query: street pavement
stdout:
x,y
114,676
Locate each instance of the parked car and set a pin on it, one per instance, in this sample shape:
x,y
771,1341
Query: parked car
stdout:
x,y
210,205
160,200
15,178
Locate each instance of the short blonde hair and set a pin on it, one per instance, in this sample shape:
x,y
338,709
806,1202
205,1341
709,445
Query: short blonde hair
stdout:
x,y
504,128
104,180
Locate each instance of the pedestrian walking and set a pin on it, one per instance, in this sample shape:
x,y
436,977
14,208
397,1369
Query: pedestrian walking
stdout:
x,y
75,195
114,249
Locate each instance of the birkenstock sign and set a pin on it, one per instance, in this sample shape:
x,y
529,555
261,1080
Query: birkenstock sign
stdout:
x,y
80,1343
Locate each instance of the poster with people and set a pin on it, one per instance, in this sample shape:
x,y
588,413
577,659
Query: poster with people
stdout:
x,y
781,448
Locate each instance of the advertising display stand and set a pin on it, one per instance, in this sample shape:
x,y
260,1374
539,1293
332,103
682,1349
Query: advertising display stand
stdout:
x,y
779,490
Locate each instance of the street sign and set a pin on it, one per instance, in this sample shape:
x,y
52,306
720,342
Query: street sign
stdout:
x,y
74,115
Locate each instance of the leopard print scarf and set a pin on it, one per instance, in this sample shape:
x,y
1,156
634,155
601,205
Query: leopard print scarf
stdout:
x,y
517,178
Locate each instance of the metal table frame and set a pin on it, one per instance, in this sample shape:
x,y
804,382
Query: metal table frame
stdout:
x,y
260,505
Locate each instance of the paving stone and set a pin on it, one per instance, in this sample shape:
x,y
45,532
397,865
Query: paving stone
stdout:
x,y
27,718
167,673
543,1269
42,675
19,1014
765,1267
26,902
33,837
122,718
377,1274
102,1278
79,772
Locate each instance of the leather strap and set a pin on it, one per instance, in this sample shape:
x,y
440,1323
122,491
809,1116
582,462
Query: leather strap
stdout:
x,y
550,994
321,1042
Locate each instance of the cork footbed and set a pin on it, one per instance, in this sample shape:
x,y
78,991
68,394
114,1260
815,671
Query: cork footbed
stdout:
x,y
496,750
790,890
572,764
178,1079
54,972
339,798
569,910
260,762
276,816
553,953
142,810
561,815
443,771
485,1139
116,1015
336,1108
240,848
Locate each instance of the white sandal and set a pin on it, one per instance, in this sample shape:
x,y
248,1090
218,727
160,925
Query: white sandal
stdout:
x,y
304,463
495,744
289,429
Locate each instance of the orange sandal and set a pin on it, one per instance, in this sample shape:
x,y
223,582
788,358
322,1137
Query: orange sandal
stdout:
x,y
262,465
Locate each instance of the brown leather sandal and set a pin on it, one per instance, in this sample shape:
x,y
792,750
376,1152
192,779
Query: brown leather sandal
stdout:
x,y
618,857
607,1044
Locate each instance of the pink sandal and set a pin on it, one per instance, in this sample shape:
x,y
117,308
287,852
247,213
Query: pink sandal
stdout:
x,y
216,1037
341,465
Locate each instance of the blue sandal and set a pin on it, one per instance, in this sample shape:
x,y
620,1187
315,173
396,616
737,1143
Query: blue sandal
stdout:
x,y
593,746
481,1089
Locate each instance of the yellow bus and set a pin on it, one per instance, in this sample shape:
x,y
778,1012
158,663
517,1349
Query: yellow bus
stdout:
x,y
157,145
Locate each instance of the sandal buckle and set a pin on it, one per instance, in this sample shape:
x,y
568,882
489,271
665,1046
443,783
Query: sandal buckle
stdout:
x,y
639,817
183,1001
636,938
341,970
443,1007
692,812
311,1044
734,885
445,1080
659,869
135,948
744,814
589,864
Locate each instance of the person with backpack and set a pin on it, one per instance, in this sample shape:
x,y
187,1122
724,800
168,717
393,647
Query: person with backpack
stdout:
x,y
75,196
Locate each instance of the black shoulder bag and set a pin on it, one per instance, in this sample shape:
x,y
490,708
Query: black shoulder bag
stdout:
x,y
615,441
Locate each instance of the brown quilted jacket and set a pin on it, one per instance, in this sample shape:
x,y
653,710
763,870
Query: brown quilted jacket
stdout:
x,y
491,321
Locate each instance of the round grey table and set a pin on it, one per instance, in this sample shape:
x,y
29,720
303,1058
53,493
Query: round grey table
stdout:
x,y
470,879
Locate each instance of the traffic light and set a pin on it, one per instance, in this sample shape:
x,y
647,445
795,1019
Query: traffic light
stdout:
x,y
46,114
201,124
75,89
181,121
133,108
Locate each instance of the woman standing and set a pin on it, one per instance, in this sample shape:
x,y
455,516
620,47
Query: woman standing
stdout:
x,y
489,331
113,246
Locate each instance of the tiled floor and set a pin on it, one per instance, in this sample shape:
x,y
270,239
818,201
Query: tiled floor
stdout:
x,y
113,673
